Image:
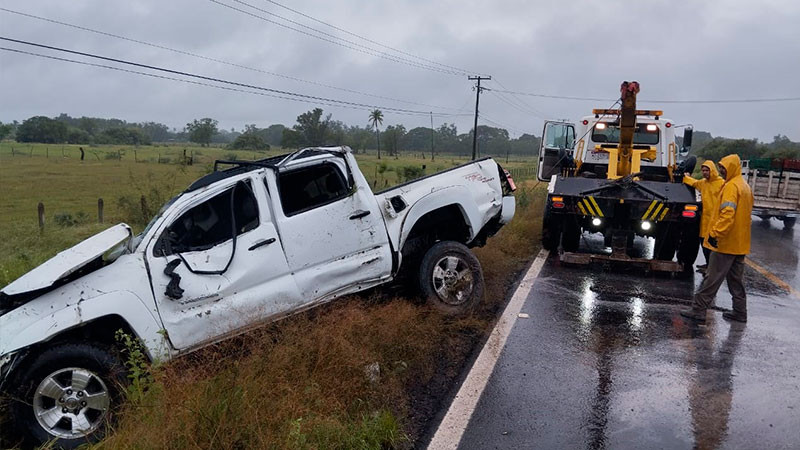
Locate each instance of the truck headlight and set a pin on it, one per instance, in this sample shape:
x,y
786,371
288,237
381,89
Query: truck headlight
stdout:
x,y
597,222
646,225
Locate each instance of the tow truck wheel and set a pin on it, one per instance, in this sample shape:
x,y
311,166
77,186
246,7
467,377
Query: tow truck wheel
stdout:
x,y
551,233
451,278
66,395
788,222
571,237
666,244
689,246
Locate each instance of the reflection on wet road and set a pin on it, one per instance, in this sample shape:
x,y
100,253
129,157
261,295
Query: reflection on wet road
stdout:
x,y
605,361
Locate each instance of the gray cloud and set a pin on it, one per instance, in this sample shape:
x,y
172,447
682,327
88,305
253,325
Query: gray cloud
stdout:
x,y
677,50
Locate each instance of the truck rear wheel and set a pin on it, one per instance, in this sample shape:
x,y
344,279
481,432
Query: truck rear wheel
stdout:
x,y
689,245
666,243
451,278
551,233
571,236
788,222
67,395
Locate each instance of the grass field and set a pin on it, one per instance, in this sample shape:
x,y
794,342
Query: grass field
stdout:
x,y
297,384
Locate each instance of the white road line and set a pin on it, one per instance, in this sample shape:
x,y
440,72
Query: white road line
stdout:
x,y
452,428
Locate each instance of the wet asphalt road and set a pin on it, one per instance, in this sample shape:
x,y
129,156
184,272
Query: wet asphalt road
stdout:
x,y
605,361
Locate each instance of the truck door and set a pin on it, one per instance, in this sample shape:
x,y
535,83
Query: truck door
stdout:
x,y
558,139
224,284
333,231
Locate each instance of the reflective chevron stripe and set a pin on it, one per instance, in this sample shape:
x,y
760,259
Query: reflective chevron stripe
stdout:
x,y
647,213
596,206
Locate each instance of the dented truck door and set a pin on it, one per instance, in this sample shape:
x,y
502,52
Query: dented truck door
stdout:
x,y
333,231
207,283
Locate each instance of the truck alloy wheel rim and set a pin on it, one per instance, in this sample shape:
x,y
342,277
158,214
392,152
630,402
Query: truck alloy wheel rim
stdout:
x,y
71,403
452,280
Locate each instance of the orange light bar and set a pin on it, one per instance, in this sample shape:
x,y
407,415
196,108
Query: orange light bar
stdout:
x,y
690,207
557,199
639,112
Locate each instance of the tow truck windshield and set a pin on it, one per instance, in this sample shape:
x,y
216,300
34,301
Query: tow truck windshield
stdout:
x,y
609,133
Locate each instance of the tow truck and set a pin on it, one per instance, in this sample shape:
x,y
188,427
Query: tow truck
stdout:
x,y
619,172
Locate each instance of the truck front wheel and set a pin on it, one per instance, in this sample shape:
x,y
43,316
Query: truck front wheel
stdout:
x,y
451,278
66,395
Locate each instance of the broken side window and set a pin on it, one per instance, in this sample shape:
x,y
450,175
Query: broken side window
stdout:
x,y
210,223
309,187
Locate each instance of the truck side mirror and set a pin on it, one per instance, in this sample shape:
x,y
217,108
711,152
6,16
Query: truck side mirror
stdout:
x,y
687,138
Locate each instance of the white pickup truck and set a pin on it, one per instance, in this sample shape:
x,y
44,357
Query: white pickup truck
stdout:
x,y
239,247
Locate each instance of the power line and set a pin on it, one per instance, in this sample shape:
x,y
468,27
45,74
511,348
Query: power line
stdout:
x,y
595,99
536,112
333,38
217,80
365,38
505,127
195,55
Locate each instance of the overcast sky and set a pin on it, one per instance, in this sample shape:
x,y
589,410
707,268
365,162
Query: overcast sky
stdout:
x,y
677,50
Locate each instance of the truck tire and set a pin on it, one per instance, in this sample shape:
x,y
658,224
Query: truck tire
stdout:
x,y
571,236
67,395
689,245
666,243
451,278
788,222
551,233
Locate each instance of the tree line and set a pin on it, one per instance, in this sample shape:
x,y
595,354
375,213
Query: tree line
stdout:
x,y
315,128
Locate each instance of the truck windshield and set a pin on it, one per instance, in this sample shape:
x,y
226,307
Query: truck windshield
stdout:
x,y
607,132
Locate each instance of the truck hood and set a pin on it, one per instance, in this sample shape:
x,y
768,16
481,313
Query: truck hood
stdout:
x,y
69,261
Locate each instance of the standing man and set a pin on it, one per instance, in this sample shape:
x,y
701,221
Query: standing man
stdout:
x,y
710,188
729,240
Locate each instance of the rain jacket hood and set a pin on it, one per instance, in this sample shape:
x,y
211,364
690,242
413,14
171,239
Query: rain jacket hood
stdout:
x,y
731,222
714,172
732,165
710,190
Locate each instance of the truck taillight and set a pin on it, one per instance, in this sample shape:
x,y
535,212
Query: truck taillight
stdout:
x,y
690,214
558,202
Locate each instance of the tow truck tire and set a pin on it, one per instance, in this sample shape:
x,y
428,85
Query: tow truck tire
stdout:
x,y
666,244
788,222
689,246
451,278
551,233
64,388
571,236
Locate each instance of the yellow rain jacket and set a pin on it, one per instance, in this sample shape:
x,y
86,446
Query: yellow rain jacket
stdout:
x,y
709,191
731,223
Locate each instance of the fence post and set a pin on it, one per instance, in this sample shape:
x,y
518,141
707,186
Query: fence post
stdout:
x,y
143,202
40,210
100,210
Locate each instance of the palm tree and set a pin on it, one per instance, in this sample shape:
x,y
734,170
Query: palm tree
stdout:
x,y
376,118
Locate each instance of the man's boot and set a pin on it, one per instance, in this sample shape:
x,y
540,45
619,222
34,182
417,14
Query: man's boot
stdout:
x,y
734,316
698,315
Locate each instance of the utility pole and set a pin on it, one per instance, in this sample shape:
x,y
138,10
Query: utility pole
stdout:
x,y
431,136
477,101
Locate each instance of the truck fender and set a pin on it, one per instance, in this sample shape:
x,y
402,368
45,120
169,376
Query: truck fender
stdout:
x,y
459,196
124,304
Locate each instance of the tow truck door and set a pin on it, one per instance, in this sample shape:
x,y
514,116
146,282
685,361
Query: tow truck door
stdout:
x,y
558,139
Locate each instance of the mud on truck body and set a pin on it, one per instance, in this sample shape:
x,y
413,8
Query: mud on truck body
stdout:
x,y
617,172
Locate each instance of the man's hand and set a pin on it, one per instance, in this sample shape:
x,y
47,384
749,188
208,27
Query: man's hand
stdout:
x,y
712,241
687,174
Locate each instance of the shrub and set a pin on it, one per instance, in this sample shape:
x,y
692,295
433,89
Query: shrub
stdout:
x,y
409,173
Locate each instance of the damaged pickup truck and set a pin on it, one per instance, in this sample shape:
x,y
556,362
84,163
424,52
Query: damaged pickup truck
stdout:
x,y
240,247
